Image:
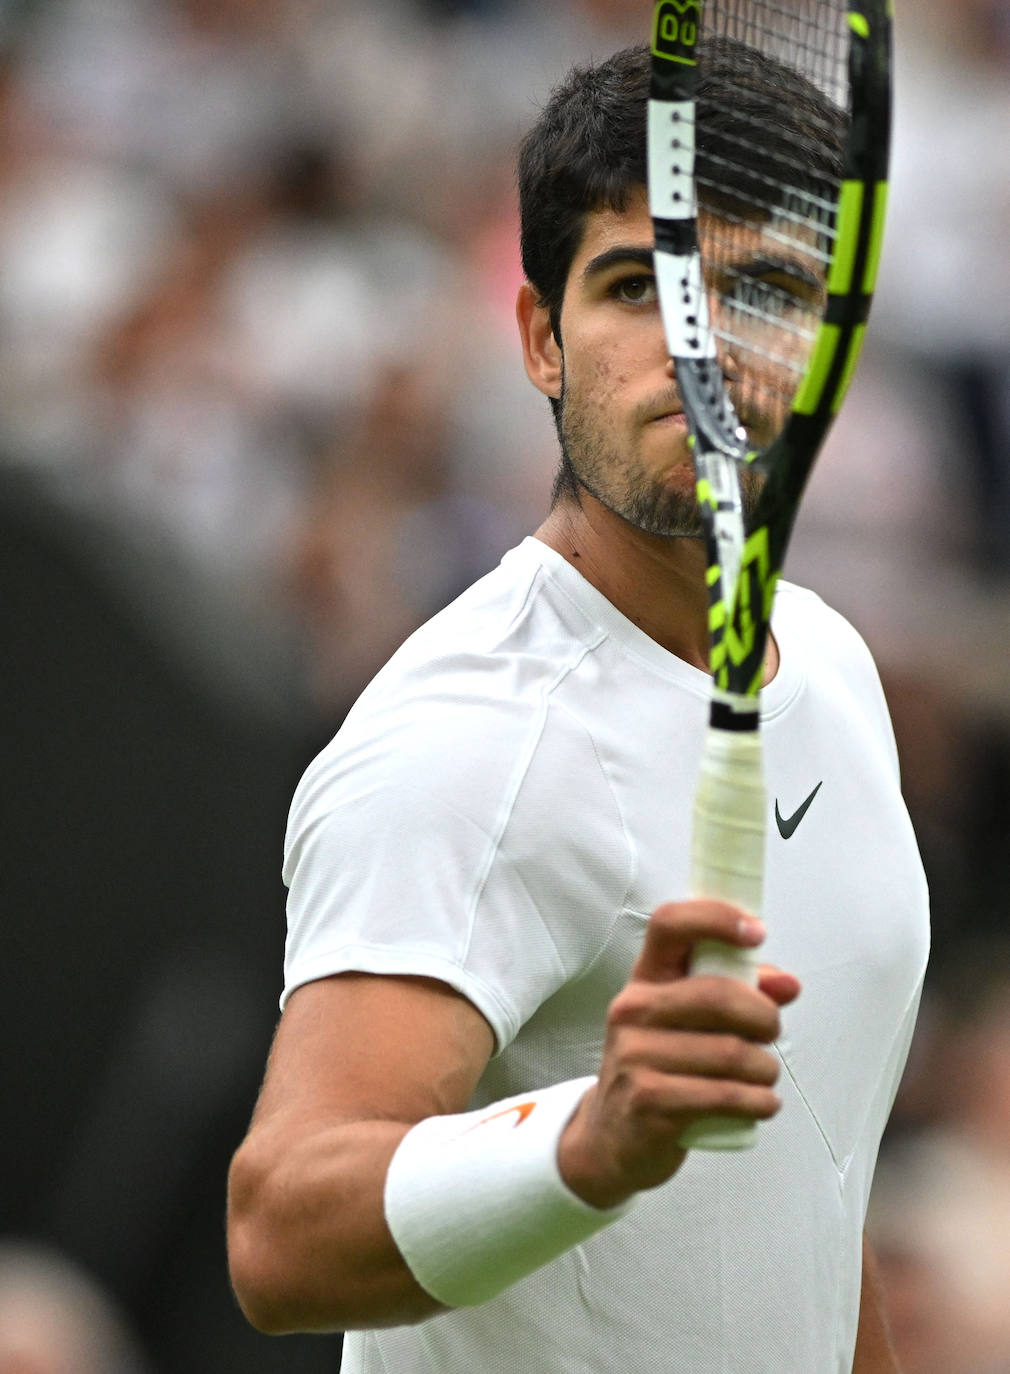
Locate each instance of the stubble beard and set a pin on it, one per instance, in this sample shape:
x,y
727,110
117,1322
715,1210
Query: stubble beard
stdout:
x,y
590,461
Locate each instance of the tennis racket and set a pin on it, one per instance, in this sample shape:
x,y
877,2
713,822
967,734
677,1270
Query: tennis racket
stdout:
x,y
769,125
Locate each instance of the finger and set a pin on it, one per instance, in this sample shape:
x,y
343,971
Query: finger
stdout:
x,y
668,1096
676,926
699,1004
708,1054
780,986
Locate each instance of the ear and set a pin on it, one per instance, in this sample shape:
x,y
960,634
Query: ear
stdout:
x,y
541,350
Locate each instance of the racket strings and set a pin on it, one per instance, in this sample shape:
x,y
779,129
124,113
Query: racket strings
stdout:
x,y
764,334
792,219
811,35
768,187
787,167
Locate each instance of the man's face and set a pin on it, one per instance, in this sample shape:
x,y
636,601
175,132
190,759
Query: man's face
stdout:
x,y
622,426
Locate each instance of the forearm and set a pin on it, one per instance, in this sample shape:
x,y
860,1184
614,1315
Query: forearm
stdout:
x,y
314,1206
309,1248
875,1352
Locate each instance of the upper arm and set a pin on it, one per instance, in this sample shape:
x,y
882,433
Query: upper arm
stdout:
x,y
357,1046
357,1060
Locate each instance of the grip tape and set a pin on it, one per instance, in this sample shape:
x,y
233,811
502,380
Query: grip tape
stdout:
x,y
727,862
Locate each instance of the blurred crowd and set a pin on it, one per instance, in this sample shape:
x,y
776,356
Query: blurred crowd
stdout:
x,y
260,259
262,411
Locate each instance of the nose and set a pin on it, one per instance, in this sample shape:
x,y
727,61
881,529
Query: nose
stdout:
x,y
727,362
730,366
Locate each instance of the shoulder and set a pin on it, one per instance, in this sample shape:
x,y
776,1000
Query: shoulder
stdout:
x,y
803,613
426,835
837,663
462,708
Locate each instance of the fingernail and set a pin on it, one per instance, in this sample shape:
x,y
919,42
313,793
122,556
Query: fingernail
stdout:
x,y
751,930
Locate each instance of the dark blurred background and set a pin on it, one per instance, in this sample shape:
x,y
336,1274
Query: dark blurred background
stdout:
x,y
262,411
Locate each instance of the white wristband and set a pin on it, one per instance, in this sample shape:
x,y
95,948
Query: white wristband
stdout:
x,y
475,1202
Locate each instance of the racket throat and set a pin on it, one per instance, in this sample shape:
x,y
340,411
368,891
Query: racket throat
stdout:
x,y
735,714
714,423
721,506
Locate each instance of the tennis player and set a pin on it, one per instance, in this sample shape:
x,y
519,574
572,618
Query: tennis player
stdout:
x,y
466,1151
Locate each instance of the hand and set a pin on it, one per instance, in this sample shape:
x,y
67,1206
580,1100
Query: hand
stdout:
x,y
676,1049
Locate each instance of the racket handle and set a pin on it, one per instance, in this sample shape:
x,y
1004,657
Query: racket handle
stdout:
x,y
727,861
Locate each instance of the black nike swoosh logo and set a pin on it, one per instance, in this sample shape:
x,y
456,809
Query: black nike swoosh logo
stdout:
x,y
788,824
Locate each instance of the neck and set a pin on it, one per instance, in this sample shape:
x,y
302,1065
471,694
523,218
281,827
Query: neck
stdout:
x,y
657,582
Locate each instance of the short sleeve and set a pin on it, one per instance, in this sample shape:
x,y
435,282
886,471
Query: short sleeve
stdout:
x,y
483,848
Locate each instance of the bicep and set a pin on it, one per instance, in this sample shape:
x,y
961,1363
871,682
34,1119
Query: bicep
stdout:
x,y
356,1061
359,1046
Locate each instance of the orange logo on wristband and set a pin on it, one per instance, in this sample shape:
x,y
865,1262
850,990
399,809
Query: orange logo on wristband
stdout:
x,y
520,1112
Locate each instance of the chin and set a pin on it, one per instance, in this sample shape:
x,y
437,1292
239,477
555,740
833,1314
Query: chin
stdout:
x,y
667,514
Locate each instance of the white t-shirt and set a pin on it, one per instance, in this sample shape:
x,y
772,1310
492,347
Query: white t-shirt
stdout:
x,y
502,809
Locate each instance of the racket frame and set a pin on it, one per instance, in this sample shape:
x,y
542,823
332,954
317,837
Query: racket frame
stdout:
x,y
730,808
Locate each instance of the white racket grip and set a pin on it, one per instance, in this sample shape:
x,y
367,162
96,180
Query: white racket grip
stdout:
x,y
727,861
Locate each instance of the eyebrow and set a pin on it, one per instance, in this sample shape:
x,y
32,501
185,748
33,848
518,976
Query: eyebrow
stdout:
x,y
620,253
756,268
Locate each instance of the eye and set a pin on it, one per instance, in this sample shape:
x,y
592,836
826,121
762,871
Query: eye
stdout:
x,y
770,298
635,290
